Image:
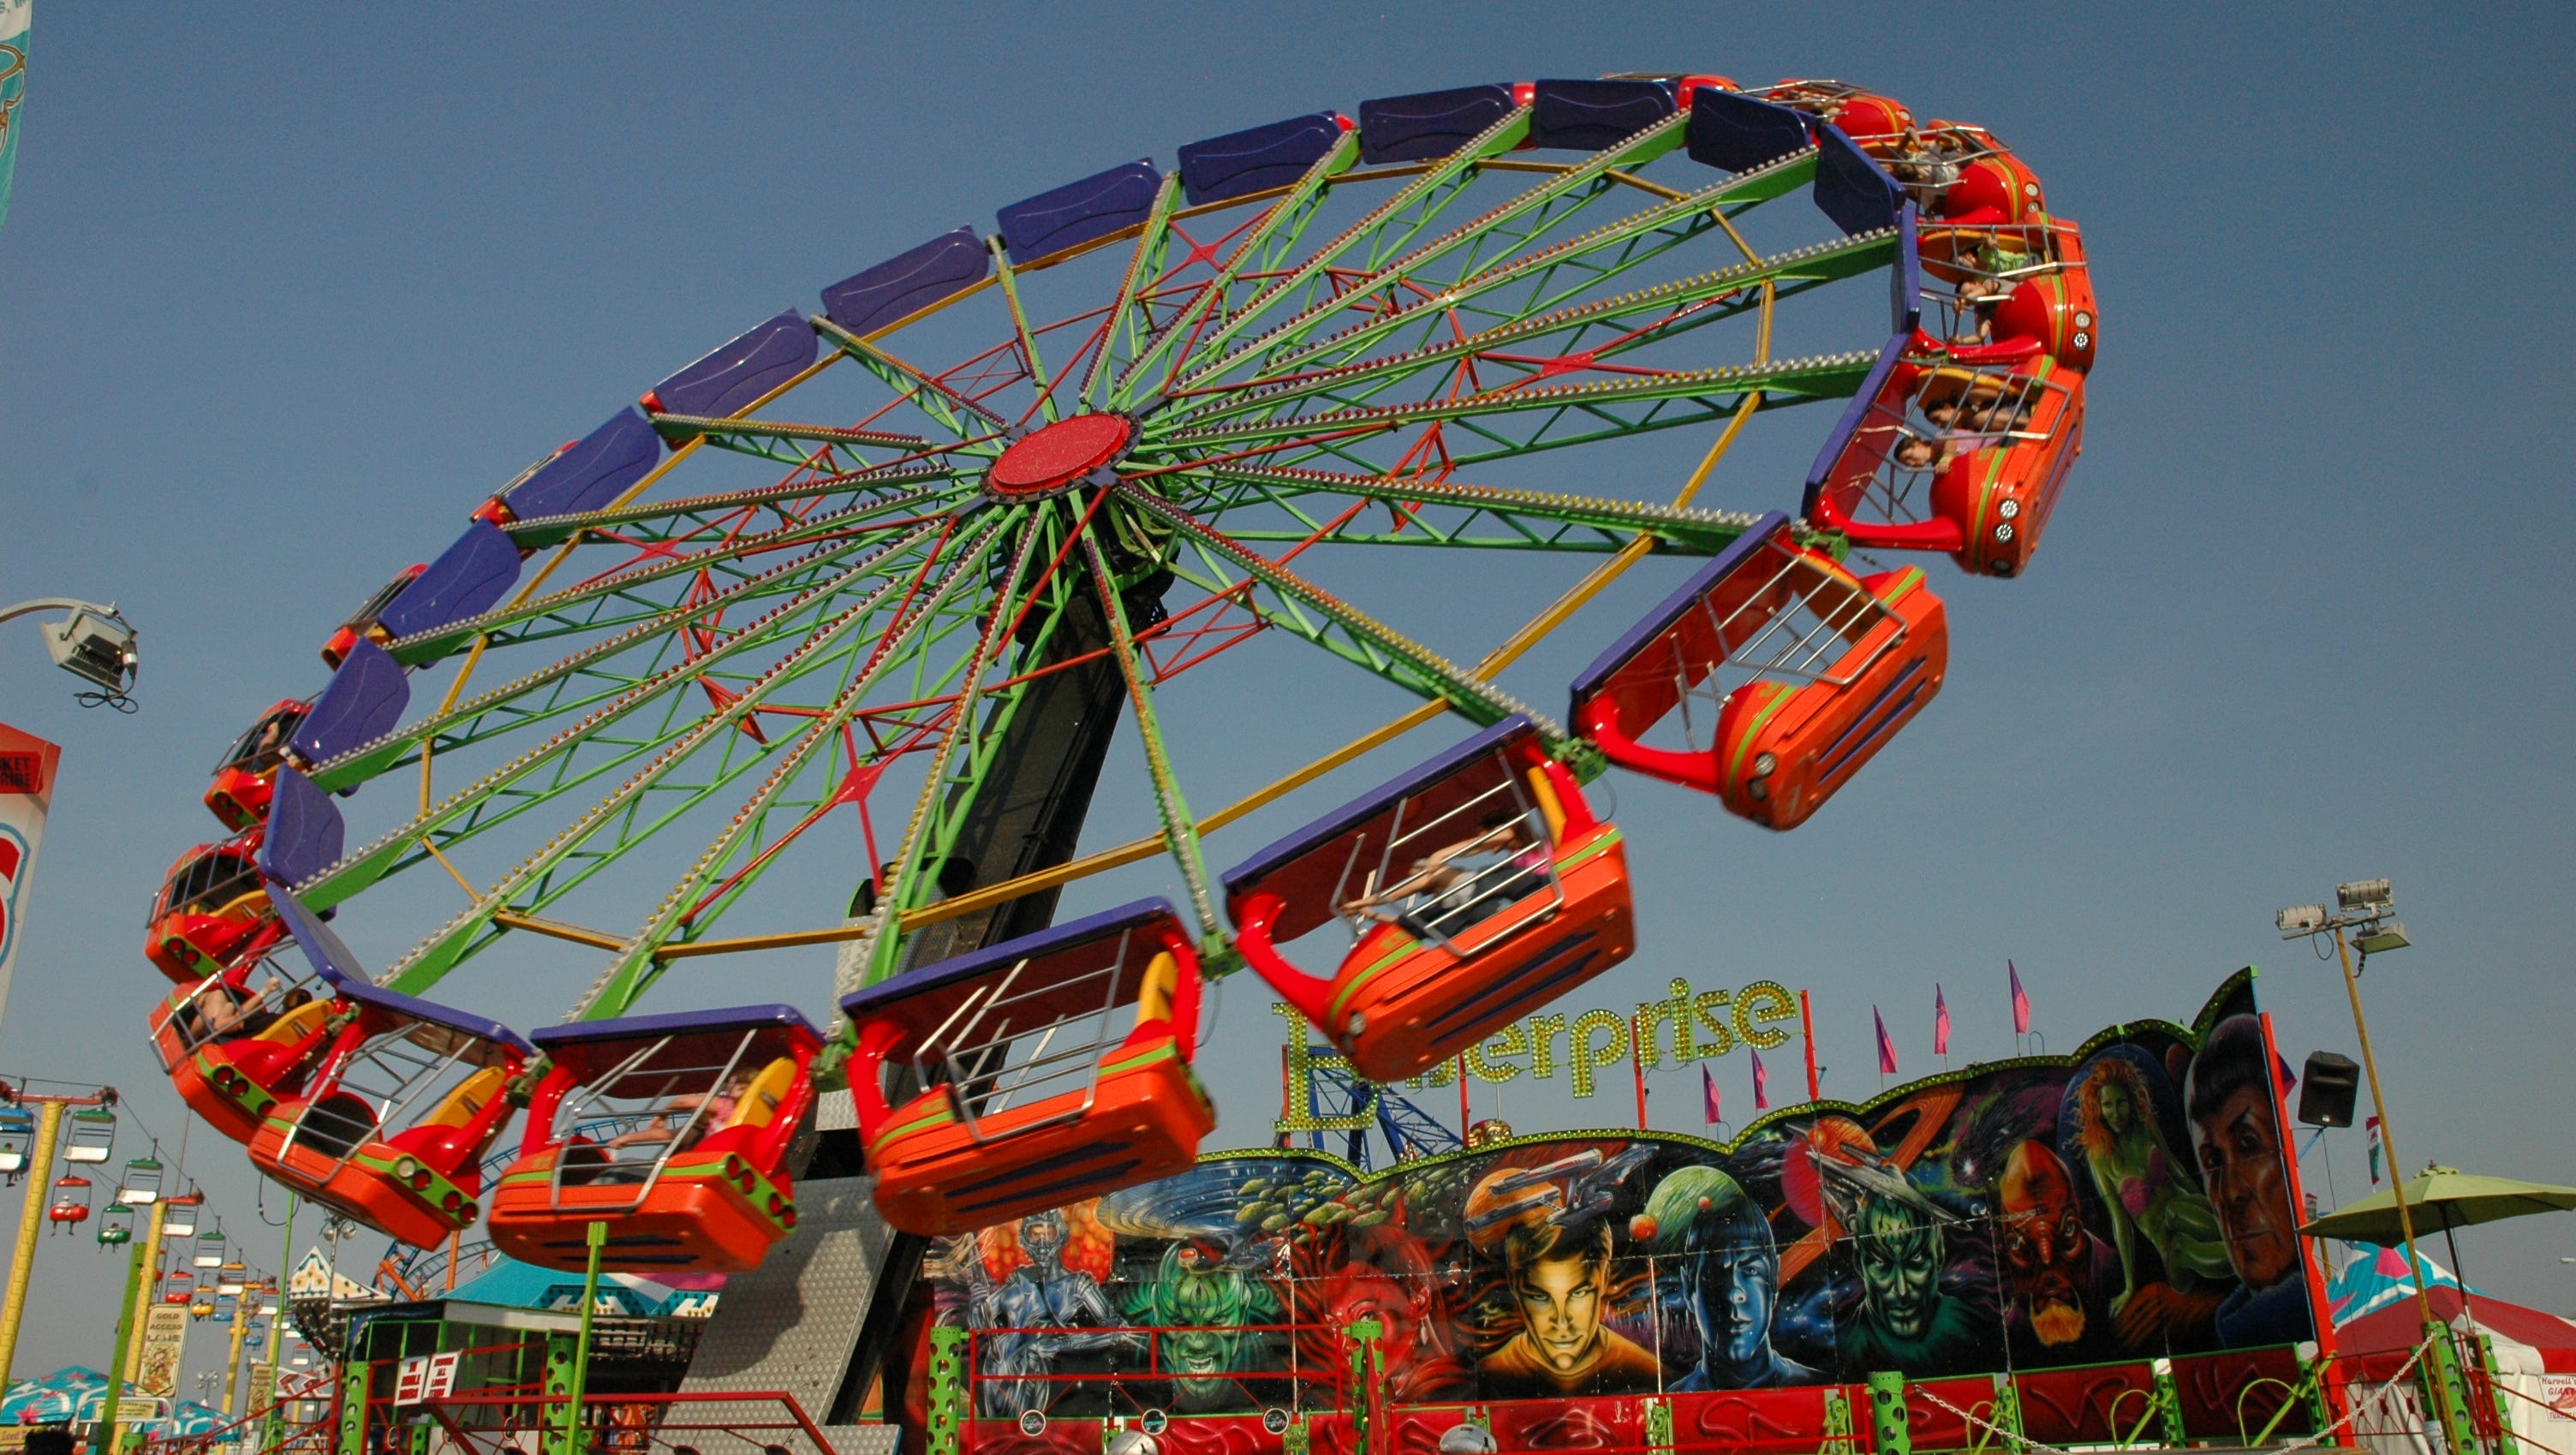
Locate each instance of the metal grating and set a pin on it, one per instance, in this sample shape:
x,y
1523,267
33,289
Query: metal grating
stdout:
x,y
792,1323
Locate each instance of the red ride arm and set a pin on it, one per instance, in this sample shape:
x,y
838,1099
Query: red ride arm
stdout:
x,y
1691,770
867,1078
1926,535
1252,936
770,1152
1185,995
2003,351
539,1134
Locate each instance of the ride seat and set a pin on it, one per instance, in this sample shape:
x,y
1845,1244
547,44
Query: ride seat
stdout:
x,y
754,1112
288,1040
450,1137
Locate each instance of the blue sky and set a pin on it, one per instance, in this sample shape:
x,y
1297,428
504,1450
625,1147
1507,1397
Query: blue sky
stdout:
x,y
288,290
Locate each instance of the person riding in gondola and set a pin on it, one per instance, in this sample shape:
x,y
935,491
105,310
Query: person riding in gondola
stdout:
x,y
1463,884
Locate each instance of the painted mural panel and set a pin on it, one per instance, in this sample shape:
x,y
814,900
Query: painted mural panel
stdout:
x,y
2124,1202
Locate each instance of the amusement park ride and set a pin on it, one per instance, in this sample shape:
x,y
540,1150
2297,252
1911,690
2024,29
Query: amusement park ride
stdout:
x,y
1000,492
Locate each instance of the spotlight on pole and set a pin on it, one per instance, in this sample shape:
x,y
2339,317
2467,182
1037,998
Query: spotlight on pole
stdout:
x,y
2305,919
2363,894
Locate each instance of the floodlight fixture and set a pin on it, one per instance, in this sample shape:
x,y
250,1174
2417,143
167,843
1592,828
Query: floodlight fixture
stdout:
x,y
2304,919
2364,894
2380,938
95,643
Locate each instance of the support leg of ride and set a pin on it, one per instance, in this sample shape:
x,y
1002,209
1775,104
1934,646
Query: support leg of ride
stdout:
x,y
356,1376
2505,1443
947,1390
1887,1412
2447,1390
2169,1404
596,1237
2007,1415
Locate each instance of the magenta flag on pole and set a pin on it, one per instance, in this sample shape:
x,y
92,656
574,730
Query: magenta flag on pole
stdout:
x,y
2021,1002
1709,1106
1761,1082
1940,1022
1886,1047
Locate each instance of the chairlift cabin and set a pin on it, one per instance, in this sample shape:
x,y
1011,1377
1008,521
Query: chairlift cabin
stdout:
x,y
392,1127
672,1129
1477,888
1043,1088
141,1184
210,1249
179,1222
70,1205
17,1140
239,795
178,1286
92,1135
116,1226
1782,672
1937,456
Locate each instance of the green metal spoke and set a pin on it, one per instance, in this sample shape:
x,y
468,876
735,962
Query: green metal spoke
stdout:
x,y
569,758
1143,265
664,522
1735,290
1527,519
919,390
588,606
1385,273
1271,241
692,426
1420,200
1002,271
1721,390
649,800
1180,827
1315,613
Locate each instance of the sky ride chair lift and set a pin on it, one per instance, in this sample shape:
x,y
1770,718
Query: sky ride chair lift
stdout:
x,y
672,1129
1038,1090
231,1049
391,1129
1789,673
1478,887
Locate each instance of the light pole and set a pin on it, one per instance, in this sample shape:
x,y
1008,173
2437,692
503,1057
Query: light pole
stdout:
x,y
2364,917
95,643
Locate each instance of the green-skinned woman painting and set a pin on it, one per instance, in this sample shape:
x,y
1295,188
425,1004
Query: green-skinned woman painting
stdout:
x,y
2144,1190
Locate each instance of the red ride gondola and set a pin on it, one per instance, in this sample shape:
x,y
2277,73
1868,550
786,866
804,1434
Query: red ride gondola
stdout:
x,y
392,1128
1809,669
672,1129
1478,886
213,911
234,1050
239,795
2019,293
1937,456
1034,1101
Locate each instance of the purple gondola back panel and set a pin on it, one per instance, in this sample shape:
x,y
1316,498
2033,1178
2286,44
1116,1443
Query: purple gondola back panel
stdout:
x,y
364,701
1851,187
744,369
908,282
596,470
464,581
1736,133
1257,159
305,833
1589,116
1429,124
1078,212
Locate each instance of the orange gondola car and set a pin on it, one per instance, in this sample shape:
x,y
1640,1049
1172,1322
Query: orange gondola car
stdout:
x,y
213,910
2040,289
1034,1099
392,1129
234,1050
1937,456
1811,671
239,795
672,1129
1479,887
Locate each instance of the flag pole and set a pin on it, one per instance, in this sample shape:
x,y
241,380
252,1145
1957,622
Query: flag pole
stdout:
x,y
1466,1114
1807,1027
1637,1060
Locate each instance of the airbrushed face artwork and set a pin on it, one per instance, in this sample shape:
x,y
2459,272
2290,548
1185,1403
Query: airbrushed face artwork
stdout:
x,y
2124,1202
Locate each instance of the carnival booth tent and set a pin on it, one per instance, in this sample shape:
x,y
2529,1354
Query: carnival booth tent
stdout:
x,y
71,1394
2377,1326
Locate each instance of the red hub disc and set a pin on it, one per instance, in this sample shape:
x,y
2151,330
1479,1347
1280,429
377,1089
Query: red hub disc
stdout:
x,y
1059,455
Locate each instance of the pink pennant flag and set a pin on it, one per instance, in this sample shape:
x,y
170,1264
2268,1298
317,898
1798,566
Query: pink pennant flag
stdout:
x,y
1886,1047
2021,1002
1710,1110
1761,1082
1940,1022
